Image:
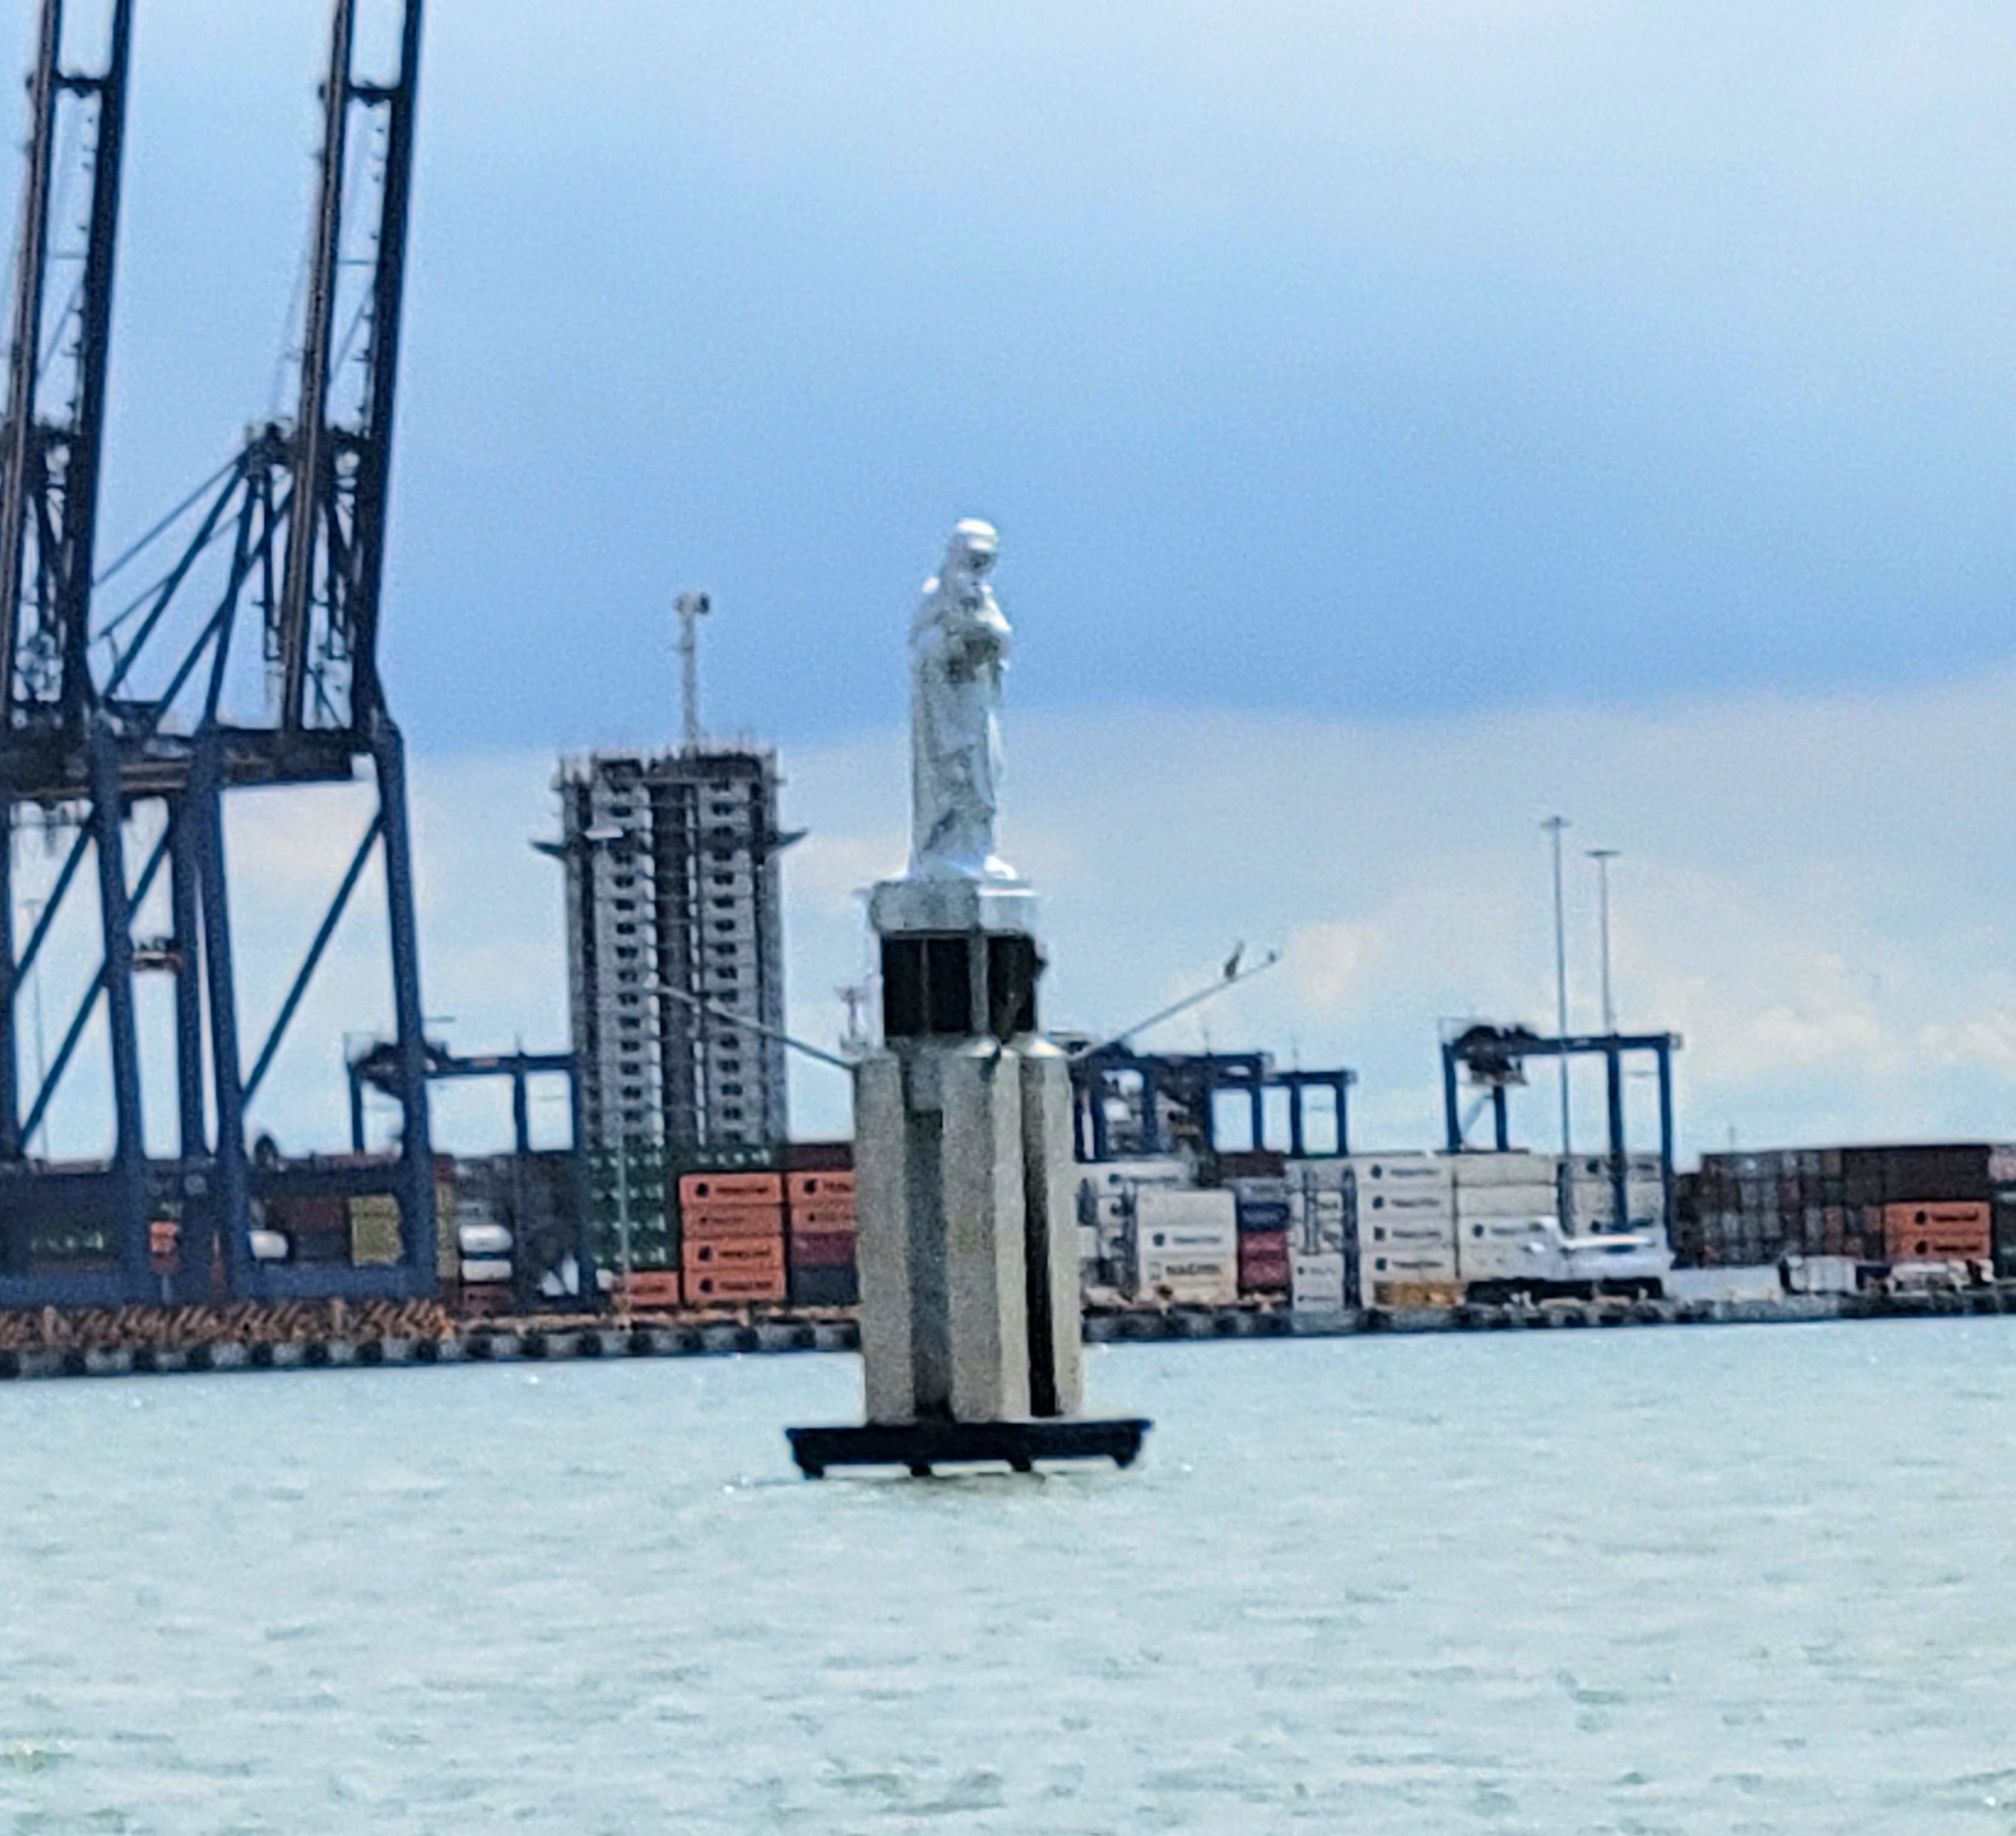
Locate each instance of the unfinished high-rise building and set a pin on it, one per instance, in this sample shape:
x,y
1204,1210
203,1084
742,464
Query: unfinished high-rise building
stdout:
x,y
675,931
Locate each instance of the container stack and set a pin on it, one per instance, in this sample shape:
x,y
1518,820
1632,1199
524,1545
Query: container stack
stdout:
x,y
1594,1194
448,1200
1406,1230
1186,1246
1261,1213
1320,1236
732,1238
823,1271
1507,1219
635,1182
484,1259
1861,1204
317,1230
1107,1193
1932,1232
374,1231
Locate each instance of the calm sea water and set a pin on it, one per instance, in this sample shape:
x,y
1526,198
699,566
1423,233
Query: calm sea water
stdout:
x,y
1705,1580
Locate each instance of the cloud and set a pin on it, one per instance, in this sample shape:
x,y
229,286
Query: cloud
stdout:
x,y
1812,891
1331,960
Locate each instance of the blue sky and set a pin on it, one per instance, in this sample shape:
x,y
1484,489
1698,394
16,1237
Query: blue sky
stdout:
x,y
1475,406
1377,359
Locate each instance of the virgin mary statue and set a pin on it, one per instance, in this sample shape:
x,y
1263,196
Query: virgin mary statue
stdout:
x,y
959,650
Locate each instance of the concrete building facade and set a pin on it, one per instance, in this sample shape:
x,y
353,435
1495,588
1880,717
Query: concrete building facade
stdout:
x,y
673,883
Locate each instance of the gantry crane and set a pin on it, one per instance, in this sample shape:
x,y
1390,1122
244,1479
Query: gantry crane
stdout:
x,y
250,661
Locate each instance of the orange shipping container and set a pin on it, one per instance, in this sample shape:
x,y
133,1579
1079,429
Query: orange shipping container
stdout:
x,y
729,1285
711,1223
1947,1231
822,1217
736,1252
732,1189
808,1189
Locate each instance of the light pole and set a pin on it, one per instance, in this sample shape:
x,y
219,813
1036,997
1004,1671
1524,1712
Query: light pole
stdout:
x,y
1554,825
1602,857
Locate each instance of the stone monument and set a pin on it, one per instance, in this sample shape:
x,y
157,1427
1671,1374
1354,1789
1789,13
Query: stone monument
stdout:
x,y
966,1183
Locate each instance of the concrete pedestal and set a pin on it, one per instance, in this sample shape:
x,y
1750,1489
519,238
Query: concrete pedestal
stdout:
x,y
966,1200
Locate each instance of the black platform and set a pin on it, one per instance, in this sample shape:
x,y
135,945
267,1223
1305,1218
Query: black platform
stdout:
x,y
922,1446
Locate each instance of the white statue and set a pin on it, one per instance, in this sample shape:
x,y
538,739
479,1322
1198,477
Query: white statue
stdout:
x,y
958,650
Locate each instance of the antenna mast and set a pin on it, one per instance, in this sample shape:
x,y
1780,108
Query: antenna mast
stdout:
x,y
691,608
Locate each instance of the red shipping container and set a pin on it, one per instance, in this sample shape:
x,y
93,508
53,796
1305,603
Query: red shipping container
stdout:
x,y
734,1285
1263,1245
736,1252
822,1249
711,1223
733,1189
819,1156
808,1189
309,1217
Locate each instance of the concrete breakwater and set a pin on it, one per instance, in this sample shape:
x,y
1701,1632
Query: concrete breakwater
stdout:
x,y
535,1339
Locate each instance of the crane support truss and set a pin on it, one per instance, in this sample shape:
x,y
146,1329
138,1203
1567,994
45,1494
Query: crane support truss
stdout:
x,y
129,724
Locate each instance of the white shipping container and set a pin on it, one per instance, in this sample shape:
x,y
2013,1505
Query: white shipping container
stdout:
x,y
1596,1166
1315,1284
1259,1191
1425,1201
1391,1262
1185,1240
1411,1233
1518,1167
483,1240
1316,1239
1637,1188
1386,1172
1531,1253
1122,1176
1205,1217
486,1268
1326,1175
1826,1275
1506,1201
1161,1203
1208,1281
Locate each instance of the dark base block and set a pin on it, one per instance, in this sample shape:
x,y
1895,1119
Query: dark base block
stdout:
x,y
922,1446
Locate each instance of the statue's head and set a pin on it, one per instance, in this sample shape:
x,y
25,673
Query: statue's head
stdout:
x,y
973,550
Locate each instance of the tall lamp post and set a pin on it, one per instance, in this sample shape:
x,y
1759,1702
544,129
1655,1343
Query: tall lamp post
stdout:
x,y
1554,825
1602,857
